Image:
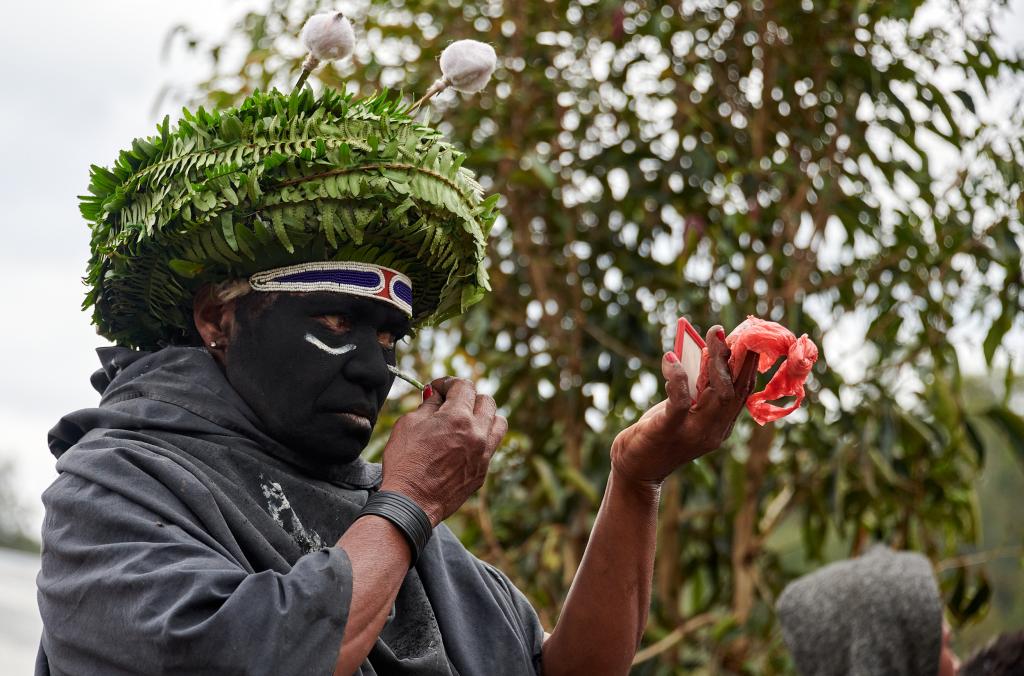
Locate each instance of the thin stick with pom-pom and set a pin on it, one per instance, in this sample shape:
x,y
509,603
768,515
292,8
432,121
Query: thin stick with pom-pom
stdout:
x,y
327,37
466,66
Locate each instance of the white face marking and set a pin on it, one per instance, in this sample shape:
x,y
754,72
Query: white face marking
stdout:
x,y
310,338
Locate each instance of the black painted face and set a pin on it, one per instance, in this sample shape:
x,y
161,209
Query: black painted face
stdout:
x,y
314,368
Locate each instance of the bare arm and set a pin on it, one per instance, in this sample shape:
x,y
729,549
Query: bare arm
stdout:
x,y
380,558
605,613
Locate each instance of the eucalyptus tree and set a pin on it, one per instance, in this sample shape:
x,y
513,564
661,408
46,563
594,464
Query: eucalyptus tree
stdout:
x,y
834,166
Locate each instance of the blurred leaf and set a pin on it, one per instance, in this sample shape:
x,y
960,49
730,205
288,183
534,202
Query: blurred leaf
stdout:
x,y
1012,426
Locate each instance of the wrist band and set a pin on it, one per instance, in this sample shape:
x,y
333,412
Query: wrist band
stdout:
x,y
405,514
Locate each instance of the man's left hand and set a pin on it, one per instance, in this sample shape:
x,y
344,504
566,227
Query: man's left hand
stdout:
x,y
676,431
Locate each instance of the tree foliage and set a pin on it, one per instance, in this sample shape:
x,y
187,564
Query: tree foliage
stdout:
x,y
807,162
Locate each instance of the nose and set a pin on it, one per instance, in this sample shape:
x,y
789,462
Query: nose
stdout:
x,y
366,365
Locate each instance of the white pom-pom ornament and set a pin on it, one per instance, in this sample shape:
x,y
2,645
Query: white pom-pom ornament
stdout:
x,y
327,37
466,66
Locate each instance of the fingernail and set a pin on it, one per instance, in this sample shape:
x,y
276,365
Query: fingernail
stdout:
x,y
721,334
672,358
428,392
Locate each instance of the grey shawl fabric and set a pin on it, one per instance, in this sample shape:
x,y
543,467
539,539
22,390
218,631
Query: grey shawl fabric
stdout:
x,y
180,539
876,615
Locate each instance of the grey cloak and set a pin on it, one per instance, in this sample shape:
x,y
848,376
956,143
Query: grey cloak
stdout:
x,y
180,539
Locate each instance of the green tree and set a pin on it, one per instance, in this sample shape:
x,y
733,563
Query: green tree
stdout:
x,y
714,159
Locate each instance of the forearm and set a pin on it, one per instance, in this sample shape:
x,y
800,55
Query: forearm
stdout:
x,y
603,619
380,559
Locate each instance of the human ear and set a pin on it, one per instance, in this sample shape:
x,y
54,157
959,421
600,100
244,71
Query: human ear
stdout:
x,y
214,320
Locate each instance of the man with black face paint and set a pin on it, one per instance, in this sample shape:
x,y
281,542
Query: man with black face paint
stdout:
x,y
212,514
320,404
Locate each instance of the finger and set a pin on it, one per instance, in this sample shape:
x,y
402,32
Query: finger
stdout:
x,y
443,384
432,396
499,426
718,364
459,395
745,382
706,399
484,407
747,377
716,334
752,385
677,384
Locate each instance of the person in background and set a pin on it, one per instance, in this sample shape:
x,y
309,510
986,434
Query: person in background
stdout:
x,y
1003,656
878,614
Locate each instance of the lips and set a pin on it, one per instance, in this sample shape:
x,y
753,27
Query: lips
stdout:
x,y
356,420
362,417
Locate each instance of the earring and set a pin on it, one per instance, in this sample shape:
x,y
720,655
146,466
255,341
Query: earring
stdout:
x,y
213,343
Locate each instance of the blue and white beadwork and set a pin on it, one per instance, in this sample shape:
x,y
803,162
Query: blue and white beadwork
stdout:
x,y
359,279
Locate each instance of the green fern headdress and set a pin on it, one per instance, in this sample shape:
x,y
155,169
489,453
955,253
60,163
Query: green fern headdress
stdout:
x,y
280,180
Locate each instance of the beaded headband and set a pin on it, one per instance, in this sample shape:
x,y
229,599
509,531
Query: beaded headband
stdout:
x,y
358,279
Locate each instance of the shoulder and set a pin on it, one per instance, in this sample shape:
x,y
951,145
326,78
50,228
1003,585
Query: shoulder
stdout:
x,y
118,465
111,489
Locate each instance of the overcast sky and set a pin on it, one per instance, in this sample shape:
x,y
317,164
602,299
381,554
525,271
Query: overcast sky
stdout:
x,y
73,98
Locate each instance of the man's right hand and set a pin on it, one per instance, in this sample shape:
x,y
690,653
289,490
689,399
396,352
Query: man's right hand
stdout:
x,y
438,454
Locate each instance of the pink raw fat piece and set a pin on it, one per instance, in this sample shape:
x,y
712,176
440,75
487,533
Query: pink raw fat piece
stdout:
x,y
771,341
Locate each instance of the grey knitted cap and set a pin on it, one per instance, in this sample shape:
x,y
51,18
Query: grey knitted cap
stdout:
x,y
877,615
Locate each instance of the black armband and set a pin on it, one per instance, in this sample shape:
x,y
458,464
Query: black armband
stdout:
x,y
405,514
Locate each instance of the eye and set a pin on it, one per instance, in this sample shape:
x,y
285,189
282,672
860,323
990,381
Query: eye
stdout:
x,y
335,323
387,339
389,335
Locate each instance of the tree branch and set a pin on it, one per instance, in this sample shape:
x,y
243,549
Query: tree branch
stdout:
x,y
979,558
675,636
744,540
